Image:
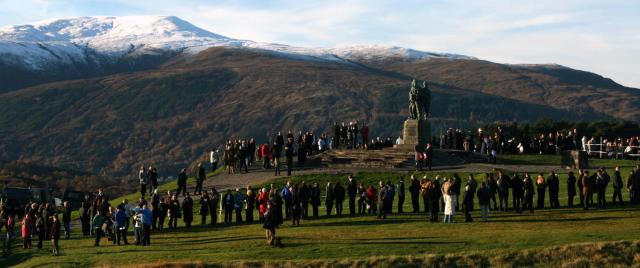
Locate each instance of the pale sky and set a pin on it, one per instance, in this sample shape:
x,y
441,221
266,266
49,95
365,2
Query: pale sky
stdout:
x,y
597,36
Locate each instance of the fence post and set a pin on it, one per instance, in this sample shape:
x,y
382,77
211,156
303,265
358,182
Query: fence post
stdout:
x,y
601,147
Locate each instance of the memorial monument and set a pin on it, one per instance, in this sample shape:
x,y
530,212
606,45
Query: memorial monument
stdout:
x,y
416,128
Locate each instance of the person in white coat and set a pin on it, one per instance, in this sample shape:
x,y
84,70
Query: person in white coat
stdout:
x,y
449,206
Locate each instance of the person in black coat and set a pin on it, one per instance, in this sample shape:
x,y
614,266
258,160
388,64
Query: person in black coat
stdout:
x,y
414,190
66,219
214,200
204,208
288,153
305,195
315,199
187,208
338,193
617,186
200,177
528,193
434,195
352,190
182,182
602,183
162,214
227,205
270,223
517,192
329,199
455,188
554,188
571,188
55,235
469,193
85,219
400,193
503,190
382,199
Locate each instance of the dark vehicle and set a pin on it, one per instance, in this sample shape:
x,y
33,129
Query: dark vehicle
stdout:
x,y
15,199
40,195
75,198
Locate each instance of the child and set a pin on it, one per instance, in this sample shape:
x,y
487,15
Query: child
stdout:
x,y
26,232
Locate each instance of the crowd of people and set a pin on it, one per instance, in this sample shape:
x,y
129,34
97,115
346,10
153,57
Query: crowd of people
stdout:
x,y
435,196
549,143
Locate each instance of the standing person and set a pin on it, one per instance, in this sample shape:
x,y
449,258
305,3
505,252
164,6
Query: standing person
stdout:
x,y
554,188
213,159
362,198
238,204
288,153
581,187
264,150
201,176
456,184
448,202
541,185
96,224
174,212
305,196
286,195
492,185
121,225
424,192
270,223
137,227
213,205
517,191
182,182
204,208
85,218
352,190
142,177
586,189
228,206
419,157
153,177
484,197
162,214
414,190
187,208
428,156
329,198
382,197
602,183
400,190
66,219
528,193
571,189
503,190
250,202
468,199
146,224
338,193
155,209
275,155
315,199
26,231
55,235
41,229
617,186
296,209
434,199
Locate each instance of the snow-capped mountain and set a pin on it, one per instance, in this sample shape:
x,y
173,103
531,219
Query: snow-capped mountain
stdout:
x,y
92,39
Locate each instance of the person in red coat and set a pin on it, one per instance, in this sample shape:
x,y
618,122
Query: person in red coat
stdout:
x,y
264,149
263,198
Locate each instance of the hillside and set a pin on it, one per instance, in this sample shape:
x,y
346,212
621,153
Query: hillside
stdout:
x,y
171,115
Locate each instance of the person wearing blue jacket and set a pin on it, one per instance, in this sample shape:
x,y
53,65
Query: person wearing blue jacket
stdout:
x,y
286,195
121,225
147,220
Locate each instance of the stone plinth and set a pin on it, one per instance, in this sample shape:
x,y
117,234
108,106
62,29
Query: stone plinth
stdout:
x,y
416,132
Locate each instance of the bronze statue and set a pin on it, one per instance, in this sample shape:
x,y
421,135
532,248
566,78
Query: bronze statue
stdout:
x,y
419,101
413,101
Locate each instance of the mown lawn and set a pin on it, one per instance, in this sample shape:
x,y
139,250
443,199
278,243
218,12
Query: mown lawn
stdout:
x,y
361,237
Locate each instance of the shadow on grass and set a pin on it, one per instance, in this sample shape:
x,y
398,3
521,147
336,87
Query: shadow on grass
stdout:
x,y
563,220
14,259
365,223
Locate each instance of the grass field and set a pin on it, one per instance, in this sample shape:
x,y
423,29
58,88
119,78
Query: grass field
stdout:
x,y
354,241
